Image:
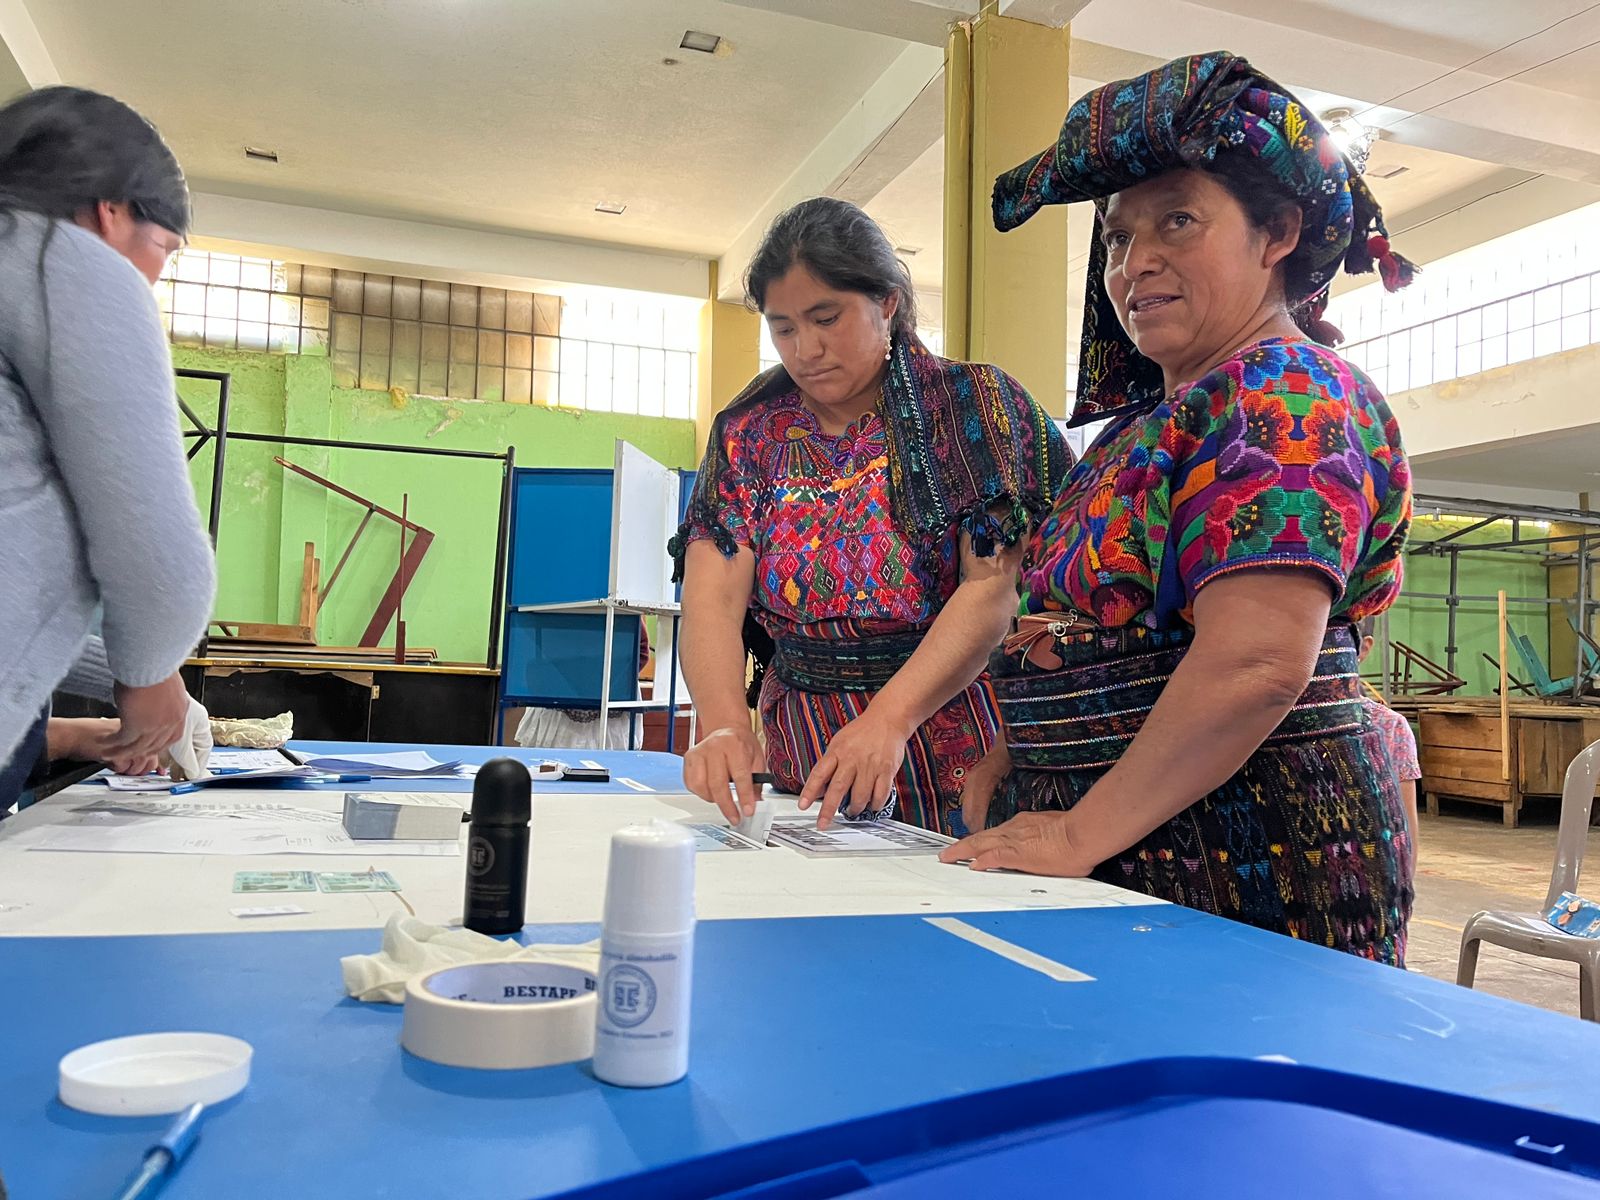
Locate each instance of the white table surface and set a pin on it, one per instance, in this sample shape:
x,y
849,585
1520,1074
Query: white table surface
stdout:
x,y
68,893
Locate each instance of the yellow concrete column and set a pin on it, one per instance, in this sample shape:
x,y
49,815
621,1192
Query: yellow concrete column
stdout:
x,y
1005,295
730,355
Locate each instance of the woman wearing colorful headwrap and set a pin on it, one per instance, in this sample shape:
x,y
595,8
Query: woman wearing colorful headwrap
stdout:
x,y
866,502
1181,699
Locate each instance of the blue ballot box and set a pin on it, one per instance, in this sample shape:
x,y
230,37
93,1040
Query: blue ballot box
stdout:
x,y
1199,1128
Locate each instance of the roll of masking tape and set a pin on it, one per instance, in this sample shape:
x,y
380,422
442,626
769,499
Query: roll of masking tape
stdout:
x,y
501,1015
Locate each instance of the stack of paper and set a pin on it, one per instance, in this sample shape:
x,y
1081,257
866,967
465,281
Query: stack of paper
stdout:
x,y
259,777
849,839
399,764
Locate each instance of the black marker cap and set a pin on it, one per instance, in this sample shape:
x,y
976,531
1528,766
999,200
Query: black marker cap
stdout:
x,y
502,794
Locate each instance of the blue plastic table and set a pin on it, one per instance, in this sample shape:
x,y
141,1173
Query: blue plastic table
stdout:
x,y
798,1025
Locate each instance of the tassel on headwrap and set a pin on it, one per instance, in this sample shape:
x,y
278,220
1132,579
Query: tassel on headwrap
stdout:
x,y
1370,247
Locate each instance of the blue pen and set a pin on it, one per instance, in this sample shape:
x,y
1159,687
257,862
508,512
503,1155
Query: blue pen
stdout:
x,y
162,1159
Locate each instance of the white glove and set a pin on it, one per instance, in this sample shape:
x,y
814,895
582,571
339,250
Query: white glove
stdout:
x,y
192,752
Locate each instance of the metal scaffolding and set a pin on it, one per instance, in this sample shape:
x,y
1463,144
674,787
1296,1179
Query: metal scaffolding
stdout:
x,y
1577,548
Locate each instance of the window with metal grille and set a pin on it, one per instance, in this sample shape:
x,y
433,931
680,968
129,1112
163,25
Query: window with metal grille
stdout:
x,y
603,351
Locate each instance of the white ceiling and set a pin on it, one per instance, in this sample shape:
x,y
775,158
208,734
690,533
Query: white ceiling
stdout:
x,y
1452,32
1567,462
520,115
911,211
502,114
1460,32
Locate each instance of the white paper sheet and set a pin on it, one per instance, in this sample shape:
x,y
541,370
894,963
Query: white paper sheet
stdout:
x,y
106,832
160,783
156,806
540,768
228,759
270,910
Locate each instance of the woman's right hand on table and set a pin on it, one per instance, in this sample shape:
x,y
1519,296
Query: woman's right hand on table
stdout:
x,y
980,785
731,754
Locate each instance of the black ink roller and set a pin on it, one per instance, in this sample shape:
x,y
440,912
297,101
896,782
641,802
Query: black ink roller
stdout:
x,y
497,847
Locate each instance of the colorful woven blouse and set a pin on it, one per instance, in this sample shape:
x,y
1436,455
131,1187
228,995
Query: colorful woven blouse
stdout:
x,y
815,511
1398,740
1284,456
832,563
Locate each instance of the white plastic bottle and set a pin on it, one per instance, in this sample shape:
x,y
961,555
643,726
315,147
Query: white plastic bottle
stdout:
x,y
646,957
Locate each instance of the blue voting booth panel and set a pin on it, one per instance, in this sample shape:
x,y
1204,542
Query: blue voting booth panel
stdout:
x,y
560,536
554,658
561,554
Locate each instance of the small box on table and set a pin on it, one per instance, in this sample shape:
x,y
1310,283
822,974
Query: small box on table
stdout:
x,y
402,816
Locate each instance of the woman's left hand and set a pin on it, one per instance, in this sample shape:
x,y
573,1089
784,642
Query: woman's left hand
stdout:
x,y
860,765
1036,843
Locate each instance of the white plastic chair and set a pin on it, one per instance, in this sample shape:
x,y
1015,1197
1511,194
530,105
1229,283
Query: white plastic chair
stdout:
x,y
1530,933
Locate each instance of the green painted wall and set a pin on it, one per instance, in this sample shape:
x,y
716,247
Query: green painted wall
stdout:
x,y
1424,623
269,513
247,563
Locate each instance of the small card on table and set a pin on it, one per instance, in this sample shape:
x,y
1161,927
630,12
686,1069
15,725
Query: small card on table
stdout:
x,y
274,881
356,881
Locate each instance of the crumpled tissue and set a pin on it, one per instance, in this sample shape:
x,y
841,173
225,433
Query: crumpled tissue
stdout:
x,y
413,947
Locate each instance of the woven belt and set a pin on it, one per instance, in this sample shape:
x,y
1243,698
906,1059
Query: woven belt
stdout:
x,y
1085,712
841,664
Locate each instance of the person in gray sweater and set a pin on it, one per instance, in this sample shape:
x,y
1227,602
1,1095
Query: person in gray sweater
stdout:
x,y
96,507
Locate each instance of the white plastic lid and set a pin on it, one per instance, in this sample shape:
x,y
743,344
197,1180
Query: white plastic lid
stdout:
x,y
650,882
154,1073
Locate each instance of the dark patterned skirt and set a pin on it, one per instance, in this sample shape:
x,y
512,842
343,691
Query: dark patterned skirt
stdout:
x,y
1308,838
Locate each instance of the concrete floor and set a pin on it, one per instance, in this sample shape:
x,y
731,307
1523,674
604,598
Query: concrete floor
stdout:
x,y
1468,860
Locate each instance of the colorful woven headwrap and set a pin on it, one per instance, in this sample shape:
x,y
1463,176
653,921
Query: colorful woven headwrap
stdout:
x,y
1185,114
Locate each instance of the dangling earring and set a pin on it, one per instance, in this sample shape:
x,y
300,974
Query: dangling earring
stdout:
x,y
888,347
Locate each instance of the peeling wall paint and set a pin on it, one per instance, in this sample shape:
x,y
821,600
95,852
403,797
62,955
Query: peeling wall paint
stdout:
x,y
1539,396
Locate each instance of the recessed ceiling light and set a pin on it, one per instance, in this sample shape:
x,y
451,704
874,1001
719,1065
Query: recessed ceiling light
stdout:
x,y
706,43
1386,172
611,208
260,155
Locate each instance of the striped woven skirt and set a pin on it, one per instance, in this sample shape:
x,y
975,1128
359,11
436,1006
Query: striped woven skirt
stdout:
x,y
1308,838
816,686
